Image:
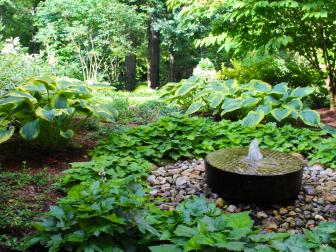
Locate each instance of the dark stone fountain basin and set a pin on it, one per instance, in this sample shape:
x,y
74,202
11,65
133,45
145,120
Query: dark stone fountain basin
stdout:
x,y
275,179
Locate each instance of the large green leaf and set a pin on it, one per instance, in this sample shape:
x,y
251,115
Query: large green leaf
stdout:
x,y
47,82
253,118
271,100
261,86
295,104
185,88
25,95
280,88
67,134
6,134
230,105
280,113
11,100
60,101
30,130
302,92
328,129
196,106
310,117
215,99
250,102
46,114
266,108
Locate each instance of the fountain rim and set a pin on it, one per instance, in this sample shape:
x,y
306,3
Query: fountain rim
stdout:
x,y
254,175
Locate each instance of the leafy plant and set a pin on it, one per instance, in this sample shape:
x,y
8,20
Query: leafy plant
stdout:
x,y
253,102
117,216
179,136
106,167
111,216
326,153
49,111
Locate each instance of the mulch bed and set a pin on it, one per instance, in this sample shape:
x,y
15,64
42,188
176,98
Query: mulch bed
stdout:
x,y
18,156
328,116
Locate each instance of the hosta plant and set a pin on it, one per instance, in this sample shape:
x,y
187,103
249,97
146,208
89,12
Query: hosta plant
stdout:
x,y
48,111
252,102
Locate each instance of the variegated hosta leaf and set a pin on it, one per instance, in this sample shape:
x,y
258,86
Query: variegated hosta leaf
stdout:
x,y
30,130
6,134
266,108
281,89
301,92
230,105
185,88
328,129
280,113
215,99
67,134
250,102
261,86
295,105
196,106
310,117
253,118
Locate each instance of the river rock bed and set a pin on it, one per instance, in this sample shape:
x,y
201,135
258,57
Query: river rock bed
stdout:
x,y
316,201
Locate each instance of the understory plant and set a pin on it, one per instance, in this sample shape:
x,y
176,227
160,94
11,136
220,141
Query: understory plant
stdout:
x,y
107,207
326,153
48,110
252,102
116,215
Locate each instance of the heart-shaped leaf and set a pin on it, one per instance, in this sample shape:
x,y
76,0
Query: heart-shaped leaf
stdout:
x,y
280,113
253,118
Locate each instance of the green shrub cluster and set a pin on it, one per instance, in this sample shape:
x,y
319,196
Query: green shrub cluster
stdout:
x,y
109,209
48,110
253,102
128,151
180,136
16,66
325,152
117,216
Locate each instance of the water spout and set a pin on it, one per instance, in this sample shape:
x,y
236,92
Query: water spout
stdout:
x,y
254,154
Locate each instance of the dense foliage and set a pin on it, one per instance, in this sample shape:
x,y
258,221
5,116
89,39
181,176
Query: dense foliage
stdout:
x,y
253,102
46,110
16,65
305,27
96,35
117,216
127,152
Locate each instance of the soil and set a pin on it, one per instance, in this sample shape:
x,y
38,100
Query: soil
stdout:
x,y
328,116
18,156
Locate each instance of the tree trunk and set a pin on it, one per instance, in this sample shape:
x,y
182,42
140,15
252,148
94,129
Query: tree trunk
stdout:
x,y
171,67
330,82
130,64
153,57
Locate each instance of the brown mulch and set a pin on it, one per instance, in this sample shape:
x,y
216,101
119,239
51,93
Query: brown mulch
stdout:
x,y
19,156
328,116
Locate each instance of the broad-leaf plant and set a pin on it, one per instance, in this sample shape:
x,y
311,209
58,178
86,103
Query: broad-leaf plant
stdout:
x,y
48,110
252,102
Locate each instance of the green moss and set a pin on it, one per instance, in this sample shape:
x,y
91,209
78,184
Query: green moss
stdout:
x,y
234,160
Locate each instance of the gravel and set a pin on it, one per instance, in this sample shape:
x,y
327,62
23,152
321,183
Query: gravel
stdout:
x,y
316,201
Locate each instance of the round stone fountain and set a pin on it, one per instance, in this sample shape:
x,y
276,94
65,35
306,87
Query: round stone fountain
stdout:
x,y
251,175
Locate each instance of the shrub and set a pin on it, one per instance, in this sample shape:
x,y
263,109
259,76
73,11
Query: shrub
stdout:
x,y
205,70
111,216
48,110
326,153
117,216
253,102
114,214
274,69
16,66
